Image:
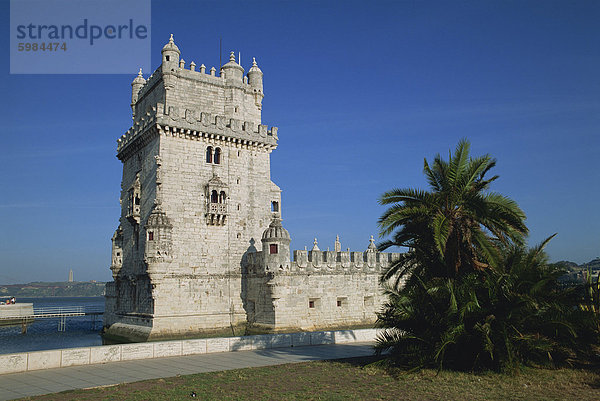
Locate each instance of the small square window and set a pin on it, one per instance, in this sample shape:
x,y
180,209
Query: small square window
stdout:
x,y
342,302
311,304
273,249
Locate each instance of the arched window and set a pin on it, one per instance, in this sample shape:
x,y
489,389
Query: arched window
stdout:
x,y
214,197
218,156
222,197
209,154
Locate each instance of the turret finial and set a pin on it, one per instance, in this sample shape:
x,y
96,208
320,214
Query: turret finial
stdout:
x,y
140,73
171,39
315,245
254,62
372,247
232,56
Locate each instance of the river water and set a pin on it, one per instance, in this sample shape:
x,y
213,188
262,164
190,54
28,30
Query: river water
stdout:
x,y
43,334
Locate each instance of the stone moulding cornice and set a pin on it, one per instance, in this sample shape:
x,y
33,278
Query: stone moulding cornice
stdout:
x,y
195,125
166,276
138,141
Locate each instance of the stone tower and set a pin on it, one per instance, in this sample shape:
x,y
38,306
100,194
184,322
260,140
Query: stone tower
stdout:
x,y
196,197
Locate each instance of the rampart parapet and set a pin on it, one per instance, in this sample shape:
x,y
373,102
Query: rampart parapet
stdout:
x,y
327,262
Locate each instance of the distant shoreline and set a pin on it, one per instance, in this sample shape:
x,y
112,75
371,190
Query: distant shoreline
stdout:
x,y
53,289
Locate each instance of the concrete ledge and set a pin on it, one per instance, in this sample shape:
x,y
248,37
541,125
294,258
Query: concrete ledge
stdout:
x,y
300,339
11,363
281,341
105,353
322,337
167,348
241,343
44,359
137,351
75,356
22,362
217,345
193,347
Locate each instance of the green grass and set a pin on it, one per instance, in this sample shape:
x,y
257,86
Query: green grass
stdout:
x,y
352,379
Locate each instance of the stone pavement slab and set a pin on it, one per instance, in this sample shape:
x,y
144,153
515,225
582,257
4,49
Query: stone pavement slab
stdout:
x,y
26,384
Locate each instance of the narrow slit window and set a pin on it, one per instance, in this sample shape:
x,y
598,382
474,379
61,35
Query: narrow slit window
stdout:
x,y
150,236
275,206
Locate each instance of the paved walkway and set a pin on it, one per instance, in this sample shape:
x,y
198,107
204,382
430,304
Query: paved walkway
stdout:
x,y
17,385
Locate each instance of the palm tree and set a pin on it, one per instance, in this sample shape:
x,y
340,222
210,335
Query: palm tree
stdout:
x,y
455,227
517,313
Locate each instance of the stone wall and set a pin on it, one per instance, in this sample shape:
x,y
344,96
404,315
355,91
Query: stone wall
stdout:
x,y
318,289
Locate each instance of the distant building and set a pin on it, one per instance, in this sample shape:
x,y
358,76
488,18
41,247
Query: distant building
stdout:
x,y
200,245
71,276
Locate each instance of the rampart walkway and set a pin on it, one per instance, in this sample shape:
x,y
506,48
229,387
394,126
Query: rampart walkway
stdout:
x,y
38,382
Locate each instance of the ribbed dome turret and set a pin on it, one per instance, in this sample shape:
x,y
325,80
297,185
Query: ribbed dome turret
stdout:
x,y
158,218
255,76
139,79
171,46
232,70
232,63
254,68
276,231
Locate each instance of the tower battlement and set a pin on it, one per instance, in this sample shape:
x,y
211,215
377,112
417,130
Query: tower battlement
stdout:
x,y
195,124
231,93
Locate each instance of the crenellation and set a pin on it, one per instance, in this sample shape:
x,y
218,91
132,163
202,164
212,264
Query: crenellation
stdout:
x,y
197,123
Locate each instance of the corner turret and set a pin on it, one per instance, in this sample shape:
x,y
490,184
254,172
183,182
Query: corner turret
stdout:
x,y
170,56
136,85
233,72
276,246
255,79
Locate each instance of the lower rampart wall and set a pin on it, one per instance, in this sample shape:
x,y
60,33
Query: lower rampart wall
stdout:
x,y
27,361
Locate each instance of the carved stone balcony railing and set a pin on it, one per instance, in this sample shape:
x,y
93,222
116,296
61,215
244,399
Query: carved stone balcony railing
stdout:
x,y
216,214
217,208
133,214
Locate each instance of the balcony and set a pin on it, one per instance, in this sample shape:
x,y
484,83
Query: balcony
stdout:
x,y
217,208
216,213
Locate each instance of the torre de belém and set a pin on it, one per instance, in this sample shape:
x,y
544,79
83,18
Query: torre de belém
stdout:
x,y
200,246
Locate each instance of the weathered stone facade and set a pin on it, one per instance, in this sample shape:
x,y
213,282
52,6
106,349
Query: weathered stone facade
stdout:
x,y
200,244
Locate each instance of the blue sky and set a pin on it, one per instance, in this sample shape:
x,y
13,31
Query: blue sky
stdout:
x,y
361,91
